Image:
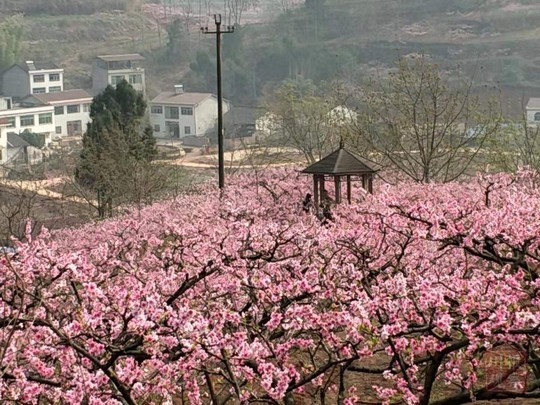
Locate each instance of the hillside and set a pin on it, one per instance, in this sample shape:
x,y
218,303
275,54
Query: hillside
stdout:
x,y
346,39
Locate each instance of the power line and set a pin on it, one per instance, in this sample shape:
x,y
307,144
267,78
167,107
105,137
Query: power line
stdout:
x,y
218,32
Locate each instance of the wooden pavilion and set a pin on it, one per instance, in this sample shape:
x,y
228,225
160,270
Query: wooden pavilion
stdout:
x,y
339,166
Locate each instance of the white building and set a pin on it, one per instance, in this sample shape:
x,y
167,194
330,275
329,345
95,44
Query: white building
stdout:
x,y
14,150
177,114
38,120
71,110
30,77
533,111
112,69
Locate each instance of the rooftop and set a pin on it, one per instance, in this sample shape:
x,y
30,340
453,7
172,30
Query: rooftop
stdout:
x,y
15,141
68,95
340,162
120,58
534,102
170,97
31,66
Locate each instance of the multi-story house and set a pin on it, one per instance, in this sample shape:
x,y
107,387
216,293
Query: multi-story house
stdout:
x,y
38,120
112,69
30,77
71,110
177,114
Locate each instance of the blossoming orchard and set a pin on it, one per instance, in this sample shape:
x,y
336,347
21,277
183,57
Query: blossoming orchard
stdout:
x,y
248,299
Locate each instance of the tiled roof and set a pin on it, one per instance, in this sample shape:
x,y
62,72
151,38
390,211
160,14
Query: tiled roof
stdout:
x,y
340,162
15,141
170,97
68,95
121,58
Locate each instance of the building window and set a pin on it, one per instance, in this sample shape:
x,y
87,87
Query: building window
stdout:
x,y
187,130
55,89
171,113
54,77
156,109
86,107
74,128
537,116
73,109
116,79
39,90
173,129
58,130
59,110
157,128
187,110
27,120
39,78
135,79
12,122
45,118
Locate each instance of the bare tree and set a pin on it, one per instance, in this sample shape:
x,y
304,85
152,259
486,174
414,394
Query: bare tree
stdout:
x,y
423,124
304,117
286,5
236,8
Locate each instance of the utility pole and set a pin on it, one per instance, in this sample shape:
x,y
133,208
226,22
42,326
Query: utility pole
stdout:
x,y
218,32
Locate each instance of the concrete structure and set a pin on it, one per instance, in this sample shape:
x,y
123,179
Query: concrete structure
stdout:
x,y
39,120
3,140
177,114
71,110
533,111
30,77
112,69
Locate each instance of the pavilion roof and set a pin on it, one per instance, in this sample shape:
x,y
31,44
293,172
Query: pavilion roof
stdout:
x,y
339,162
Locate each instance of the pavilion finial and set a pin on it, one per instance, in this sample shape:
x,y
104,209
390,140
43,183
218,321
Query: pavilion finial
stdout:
x,y
341,143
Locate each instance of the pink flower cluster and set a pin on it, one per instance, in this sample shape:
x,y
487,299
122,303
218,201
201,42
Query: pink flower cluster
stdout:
x,y
245,297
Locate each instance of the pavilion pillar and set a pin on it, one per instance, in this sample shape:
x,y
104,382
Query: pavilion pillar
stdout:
x,y
316,190
364,182
349,191
337,184
370,184
321,185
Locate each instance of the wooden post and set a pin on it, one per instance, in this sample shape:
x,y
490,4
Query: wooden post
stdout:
x,y
364,182
349,191
337,183
370,184
316,190
322,187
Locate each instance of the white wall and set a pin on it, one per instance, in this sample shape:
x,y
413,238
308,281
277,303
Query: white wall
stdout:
x,y
183,121
61,120
530,115
47,84
102,77
203,119
3,144
206,114
17,113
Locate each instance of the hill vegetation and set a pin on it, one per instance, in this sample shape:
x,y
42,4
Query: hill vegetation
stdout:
x,y
319,40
